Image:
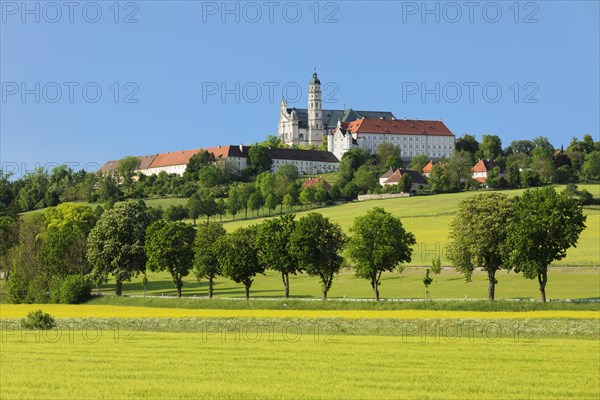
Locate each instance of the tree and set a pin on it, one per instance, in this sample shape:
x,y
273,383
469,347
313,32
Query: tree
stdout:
x,y
427,280
194,206
490,147
478,236
467,143
522,146
210,176
307,195
417,163
116,243
238,257
126,169
316,243
351,161
206,253
208,207
255,202
273,246
591,166
9,237
436,265
65,238
290,171
196,163
545,225
405,183
169,247
234,204
388,154
259,160
366,178
175,213
458,169
378,244
271,202
542,147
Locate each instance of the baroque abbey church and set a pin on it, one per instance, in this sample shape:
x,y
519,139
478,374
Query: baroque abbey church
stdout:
x,y
303,126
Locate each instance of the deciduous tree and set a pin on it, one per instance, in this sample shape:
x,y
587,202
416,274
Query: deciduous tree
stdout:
x,y
478,236
273,246
317,243
206,253
169,247
378,244
545,225
116,243
238,257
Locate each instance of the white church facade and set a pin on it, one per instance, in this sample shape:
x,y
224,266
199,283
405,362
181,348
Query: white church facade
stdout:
x,y
304,126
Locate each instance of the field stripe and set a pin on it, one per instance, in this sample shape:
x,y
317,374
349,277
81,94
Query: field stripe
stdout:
x,y
10,311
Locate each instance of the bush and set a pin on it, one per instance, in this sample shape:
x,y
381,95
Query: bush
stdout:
x,y
38,320
75,289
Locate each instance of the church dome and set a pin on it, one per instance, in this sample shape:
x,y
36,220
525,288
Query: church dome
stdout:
x,y
314,80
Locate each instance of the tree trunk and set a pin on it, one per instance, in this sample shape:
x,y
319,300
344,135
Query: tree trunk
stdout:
x,y
119,288
286,284
210,288
543,280
375,287
178,285
247,292
325,294
492,286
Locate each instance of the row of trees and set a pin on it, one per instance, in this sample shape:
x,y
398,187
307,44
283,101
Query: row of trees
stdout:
x,y
313,245
524,234
44,253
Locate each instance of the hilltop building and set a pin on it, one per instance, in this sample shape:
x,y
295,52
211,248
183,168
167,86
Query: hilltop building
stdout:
x,y
303,126
414,137
233,159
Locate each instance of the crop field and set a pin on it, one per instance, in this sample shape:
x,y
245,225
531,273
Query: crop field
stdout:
x,y
563,283
12,311
80,364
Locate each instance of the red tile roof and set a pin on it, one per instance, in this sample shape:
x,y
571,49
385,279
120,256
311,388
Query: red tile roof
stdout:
x,y
317,182
428,168
480,179
399,127
483,166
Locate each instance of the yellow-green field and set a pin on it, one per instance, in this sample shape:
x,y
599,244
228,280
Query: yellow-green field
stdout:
x,y
82,365
428,218
12,311
563,283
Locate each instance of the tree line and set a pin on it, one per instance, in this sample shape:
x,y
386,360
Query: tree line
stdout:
x,y
59,254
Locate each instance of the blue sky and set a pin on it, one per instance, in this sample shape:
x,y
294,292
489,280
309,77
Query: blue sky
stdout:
x,y
519,70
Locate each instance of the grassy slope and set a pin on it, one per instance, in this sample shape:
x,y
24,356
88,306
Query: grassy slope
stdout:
x,y
291,364
563,283
428,217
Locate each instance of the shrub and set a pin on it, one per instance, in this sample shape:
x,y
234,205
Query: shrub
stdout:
x,y
38,320
75,289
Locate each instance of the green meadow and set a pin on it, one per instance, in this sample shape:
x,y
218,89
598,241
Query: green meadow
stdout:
x,y
429,217
289,364
564,283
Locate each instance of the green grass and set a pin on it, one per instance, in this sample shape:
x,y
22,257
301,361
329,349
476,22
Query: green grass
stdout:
x,y
429,217
291,364
564,282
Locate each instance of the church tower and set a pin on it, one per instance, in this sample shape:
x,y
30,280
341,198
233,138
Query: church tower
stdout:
x,y
316,131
